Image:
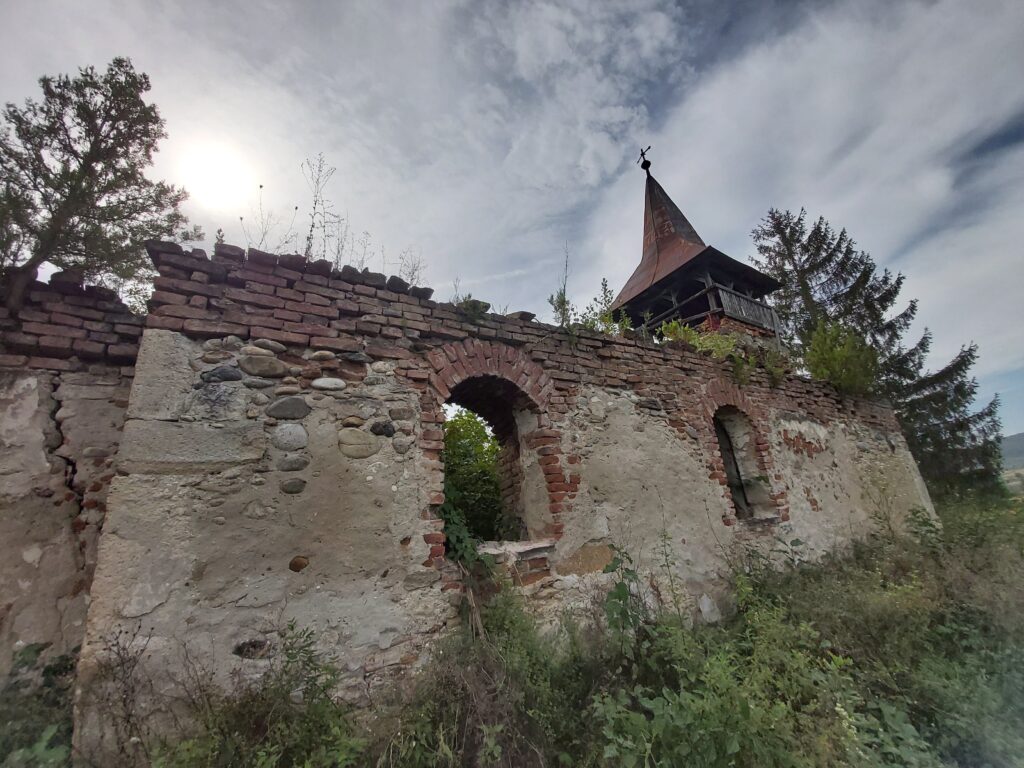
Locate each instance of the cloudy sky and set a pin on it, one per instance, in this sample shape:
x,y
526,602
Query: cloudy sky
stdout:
x,y
488,136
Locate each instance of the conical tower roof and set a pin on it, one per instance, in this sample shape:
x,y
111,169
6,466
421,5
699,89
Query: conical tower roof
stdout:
x,y
670,241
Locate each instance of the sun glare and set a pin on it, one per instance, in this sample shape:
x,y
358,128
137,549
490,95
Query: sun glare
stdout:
x,y
216,176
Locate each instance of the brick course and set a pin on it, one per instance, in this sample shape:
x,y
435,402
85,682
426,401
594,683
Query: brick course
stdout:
x,y
64,323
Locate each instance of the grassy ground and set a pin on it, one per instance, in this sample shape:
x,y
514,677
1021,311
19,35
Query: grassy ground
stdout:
x,y
907,652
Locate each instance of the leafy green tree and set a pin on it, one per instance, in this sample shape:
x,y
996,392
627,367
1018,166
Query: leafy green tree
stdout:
x,y
472,488
73,190
826,279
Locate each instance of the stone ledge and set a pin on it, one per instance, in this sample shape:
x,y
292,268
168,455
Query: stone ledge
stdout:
x,y
166,447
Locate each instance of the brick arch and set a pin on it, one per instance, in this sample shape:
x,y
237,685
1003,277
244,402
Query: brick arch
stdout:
x,y
459,366
719,394
460,360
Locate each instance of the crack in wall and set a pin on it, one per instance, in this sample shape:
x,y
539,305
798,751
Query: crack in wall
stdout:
x,y
71,496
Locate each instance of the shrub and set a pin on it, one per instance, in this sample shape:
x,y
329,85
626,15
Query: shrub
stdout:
x,y
934,630
288,717
510,697
598,315
907,651
842,358
721,346
35,710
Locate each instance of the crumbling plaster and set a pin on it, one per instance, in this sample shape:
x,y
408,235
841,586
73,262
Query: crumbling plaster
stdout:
x,y
58,434
225,527
644,483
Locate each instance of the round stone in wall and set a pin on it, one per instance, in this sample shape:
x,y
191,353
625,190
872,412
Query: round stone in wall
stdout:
x,y
249,349
293,485
222,373
269,344
289,437
255,382
328,384
293,407
293,462
357,444
266,367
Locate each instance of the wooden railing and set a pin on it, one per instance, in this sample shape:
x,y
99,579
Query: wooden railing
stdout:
x,y
732,304
747,310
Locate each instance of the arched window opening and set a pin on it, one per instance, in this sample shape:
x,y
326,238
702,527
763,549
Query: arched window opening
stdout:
x,y
483,457
748,488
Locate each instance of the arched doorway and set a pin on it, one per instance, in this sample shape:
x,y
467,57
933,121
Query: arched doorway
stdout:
x,y
512,393
520,509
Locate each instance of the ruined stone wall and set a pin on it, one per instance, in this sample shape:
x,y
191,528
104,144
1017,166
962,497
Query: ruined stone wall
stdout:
x,y
65,372
281,461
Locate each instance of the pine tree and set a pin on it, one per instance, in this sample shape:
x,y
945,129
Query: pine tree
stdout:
x,y
826,278
73,190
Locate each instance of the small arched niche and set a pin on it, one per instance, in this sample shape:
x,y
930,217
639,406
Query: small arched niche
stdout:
x,y
737,442
509,414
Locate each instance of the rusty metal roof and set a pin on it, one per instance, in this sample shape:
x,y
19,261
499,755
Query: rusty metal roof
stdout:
x,y
670,242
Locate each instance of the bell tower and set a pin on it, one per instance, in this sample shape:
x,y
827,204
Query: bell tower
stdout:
x,y
680,277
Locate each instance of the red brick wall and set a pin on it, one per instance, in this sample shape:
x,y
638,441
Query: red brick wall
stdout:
x,y
64,326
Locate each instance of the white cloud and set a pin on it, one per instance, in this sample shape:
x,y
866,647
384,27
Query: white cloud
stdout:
x,y
487,134
862,114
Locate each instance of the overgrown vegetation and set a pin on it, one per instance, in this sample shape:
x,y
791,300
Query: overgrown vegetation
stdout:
x,y
743,354
839,356
35,710
908,651
330,234
287,717
473,310
472,510
597,316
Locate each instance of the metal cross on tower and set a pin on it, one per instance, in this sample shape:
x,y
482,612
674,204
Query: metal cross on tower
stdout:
x,y
643,161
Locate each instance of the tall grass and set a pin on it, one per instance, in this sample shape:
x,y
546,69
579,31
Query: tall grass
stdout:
x,y
907,652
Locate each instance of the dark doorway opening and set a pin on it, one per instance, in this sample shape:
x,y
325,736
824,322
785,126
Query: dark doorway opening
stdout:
x,y
748,488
